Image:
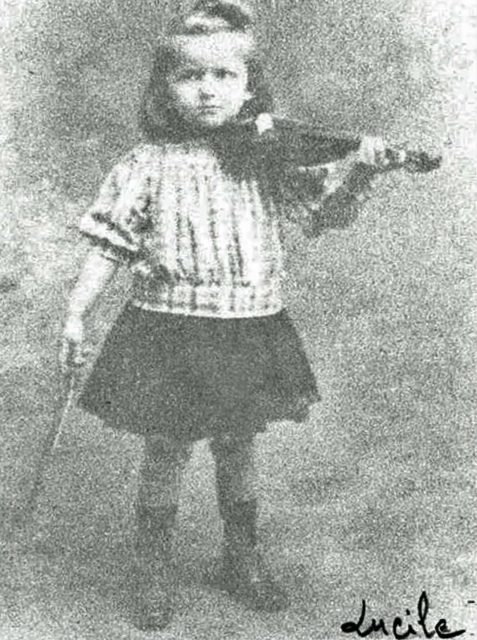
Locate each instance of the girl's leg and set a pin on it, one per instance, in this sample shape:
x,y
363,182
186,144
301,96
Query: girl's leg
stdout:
x,y
161,473
156,510
235,472
243,572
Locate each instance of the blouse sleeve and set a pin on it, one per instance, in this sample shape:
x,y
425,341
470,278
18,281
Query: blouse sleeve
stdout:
x,y
120,214
327,196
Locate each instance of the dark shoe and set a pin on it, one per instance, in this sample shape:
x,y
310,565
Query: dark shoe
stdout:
x,y
154,601
242,572
252,584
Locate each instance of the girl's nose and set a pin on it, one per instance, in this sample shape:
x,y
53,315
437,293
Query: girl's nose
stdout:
x,y
207,86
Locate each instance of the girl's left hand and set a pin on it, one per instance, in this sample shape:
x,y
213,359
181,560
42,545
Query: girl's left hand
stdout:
x,y
372,152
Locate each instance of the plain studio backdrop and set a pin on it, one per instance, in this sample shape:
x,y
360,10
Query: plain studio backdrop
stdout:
x,y
375,496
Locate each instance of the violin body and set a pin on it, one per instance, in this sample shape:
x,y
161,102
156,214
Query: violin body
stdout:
x,y
294,143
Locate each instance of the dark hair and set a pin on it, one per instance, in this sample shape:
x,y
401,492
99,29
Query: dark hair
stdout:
x,y
159,120
237,15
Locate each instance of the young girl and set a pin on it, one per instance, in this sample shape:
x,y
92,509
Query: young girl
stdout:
x,y
204,348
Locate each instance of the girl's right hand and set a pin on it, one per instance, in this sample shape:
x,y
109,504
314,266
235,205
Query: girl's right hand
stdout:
x,y
72,352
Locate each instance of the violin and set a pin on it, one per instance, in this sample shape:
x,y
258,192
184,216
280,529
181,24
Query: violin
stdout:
x,y
296,143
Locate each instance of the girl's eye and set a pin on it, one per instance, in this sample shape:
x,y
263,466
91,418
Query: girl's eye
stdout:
x,y
224,73
190,74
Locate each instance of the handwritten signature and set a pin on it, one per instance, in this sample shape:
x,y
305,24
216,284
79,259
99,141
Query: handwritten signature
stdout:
x,y
398,631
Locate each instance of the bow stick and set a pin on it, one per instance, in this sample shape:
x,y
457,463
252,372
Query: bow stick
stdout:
x,y
64,403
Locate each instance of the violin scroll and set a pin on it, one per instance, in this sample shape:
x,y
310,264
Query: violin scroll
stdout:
x,y
413,161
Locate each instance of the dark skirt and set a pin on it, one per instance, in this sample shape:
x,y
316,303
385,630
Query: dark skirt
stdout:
x,y
188,377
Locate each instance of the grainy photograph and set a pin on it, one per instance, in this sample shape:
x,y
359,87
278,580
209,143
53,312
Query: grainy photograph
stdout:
x,y
238,327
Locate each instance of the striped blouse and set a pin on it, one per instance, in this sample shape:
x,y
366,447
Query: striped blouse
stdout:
x,y
198,240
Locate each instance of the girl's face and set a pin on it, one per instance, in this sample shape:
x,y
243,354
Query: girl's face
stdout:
x,y
208,87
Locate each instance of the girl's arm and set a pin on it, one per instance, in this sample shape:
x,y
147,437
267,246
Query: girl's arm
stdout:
x,y
94,276
341,207
334,201
115,224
